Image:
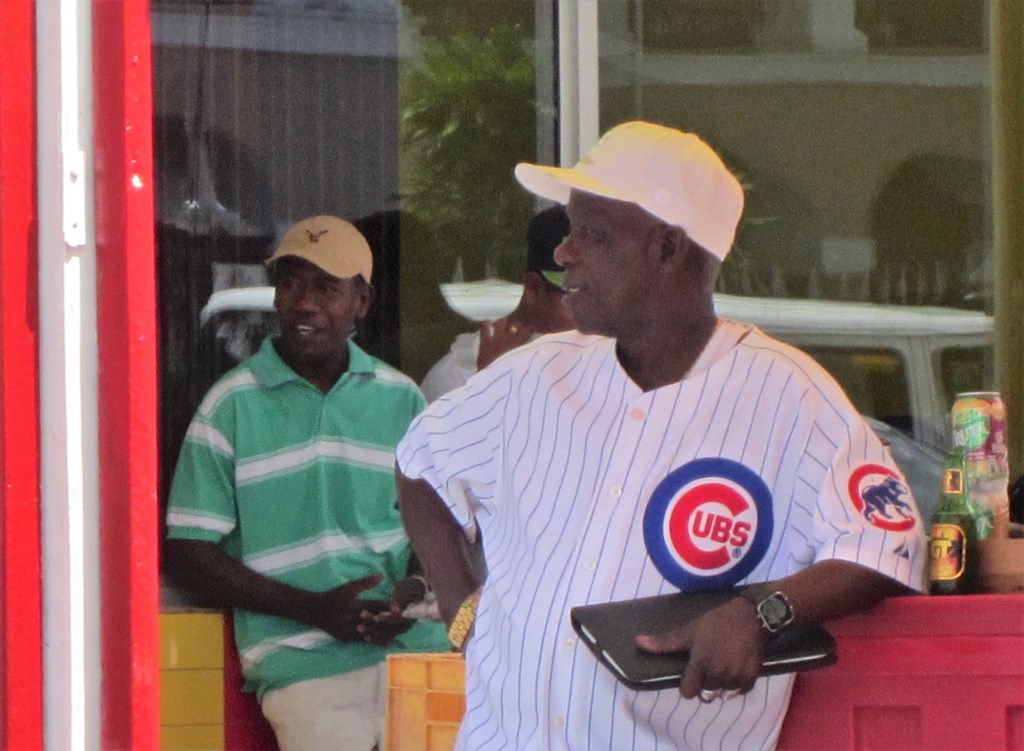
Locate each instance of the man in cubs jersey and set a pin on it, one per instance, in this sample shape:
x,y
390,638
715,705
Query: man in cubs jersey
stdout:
x,y
656,449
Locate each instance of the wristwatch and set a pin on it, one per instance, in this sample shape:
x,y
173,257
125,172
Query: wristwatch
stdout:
x,y
773,608
462,624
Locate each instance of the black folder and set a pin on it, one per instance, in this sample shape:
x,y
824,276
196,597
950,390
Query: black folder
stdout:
x,y
609,630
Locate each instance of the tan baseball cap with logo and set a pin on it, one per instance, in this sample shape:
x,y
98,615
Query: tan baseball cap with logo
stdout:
x,y
330,243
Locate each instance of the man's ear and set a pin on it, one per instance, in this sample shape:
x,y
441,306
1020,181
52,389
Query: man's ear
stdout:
x,y
368,294
674,244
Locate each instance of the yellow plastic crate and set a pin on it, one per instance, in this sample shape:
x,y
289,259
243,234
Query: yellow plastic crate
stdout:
x,y
191,639
426,701
191,738
191,681
192,697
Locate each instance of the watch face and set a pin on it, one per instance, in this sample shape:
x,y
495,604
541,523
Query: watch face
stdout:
x,y
775,612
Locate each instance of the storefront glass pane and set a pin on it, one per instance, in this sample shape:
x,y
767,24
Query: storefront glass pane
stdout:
x,y
403,117
860,128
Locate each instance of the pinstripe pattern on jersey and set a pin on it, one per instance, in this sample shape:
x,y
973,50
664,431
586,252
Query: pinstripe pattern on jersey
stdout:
x,y
561,451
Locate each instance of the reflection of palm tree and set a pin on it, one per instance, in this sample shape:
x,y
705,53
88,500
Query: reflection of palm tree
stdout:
x,y
469,114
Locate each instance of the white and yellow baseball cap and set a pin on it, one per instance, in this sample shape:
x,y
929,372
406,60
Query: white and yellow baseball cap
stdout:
x,y
673,175
330,243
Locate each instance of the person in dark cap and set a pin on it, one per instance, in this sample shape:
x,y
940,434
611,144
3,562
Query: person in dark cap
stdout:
x,y
282,505
540,311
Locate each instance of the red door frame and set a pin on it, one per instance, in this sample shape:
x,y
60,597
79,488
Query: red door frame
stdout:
x,y
21,665
127,336
127,400
126,300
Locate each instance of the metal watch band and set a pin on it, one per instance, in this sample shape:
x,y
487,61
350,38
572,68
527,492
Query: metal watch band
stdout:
x,y
462,624
773,608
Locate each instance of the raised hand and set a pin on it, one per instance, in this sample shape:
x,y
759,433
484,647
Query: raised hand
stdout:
x,y
498,337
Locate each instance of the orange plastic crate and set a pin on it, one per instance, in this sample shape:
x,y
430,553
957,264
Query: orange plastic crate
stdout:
x,y
426,701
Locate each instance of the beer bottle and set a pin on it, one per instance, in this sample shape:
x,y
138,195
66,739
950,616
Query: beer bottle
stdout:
x,y
952,549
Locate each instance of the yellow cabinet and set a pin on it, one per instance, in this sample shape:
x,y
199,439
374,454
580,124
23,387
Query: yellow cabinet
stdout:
x,y
192,681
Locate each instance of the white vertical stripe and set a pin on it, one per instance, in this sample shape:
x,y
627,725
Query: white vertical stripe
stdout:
x,y
68,419
579,90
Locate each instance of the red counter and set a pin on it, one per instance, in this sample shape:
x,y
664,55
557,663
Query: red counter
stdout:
x,y
921,673
914,674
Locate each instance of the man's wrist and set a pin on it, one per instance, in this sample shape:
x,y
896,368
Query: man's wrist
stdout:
x,y
422,582
773,609
309,608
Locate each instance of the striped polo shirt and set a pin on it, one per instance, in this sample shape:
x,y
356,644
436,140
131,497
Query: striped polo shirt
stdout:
x,y
299,485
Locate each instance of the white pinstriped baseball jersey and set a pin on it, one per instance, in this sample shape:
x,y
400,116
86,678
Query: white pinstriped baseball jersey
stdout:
x,y
562,454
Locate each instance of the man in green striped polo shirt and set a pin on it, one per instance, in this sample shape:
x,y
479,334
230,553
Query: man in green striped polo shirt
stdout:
x,y
283,504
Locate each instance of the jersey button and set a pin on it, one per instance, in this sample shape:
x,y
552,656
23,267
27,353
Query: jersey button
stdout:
x,y
637,414
590,565
615,491
569,644
558,723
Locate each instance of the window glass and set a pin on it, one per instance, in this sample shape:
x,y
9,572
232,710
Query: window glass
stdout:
x,y
963,369
477,95
874,379
860,129
403,117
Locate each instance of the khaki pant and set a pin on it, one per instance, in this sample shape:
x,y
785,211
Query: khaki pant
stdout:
x,y
343,712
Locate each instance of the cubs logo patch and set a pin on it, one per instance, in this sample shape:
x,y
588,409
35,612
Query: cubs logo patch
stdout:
x,y
708,524
880,497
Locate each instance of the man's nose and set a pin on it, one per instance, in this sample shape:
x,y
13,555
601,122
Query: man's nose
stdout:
x,y
563,254
306,298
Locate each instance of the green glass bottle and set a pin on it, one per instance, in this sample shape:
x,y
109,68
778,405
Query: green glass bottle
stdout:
x,y
952,548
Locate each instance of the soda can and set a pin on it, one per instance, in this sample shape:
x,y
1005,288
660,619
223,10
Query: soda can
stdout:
x,y
979,428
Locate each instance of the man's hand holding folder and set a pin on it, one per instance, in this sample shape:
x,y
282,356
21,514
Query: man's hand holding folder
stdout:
x,y
717,643
726,649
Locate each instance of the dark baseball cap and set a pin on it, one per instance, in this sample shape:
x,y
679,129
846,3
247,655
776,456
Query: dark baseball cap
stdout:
x,y
546,232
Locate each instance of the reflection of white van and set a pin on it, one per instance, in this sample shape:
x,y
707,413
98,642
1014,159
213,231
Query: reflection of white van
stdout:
x,y
902,365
